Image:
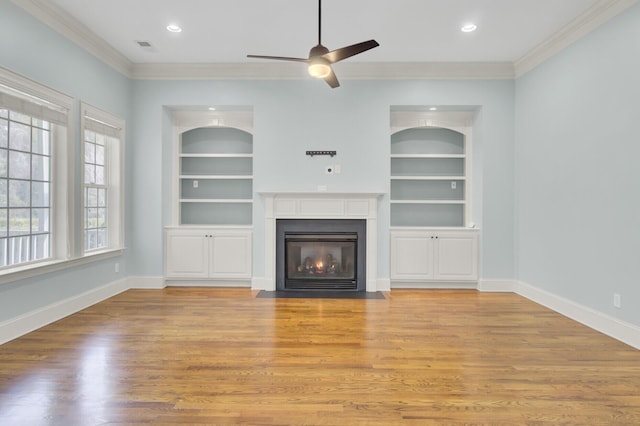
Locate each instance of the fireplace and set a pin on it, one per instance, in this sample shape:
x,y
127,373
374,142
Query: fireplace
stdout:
x,y
321,254
321,205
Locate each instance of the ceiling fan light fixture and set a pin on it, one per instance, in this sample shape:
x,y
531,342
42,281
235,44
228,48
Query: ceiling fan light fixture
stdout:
x,y
319,67
469,28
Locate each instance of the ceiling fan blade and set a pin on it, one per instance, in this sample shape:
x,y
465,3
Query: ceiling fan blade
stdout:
x,y
279,58
348,51
332,80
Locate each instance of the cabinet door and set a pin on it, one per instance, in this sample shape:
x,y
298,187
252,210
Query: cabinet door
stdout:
x,y
187,254
411,257
456,256
230,255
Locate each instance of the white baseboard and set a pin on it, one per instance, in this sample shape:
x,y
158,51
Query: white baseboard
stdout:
x,y
31,321
499,286
615,328
261,283
142,282
207,283
440,285
383,284
612,327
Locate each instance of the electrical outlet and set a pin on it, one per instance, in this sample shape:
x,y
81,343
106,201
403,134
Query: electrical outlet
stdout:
x,y
195,183
616,300
453,184
337,169
117,267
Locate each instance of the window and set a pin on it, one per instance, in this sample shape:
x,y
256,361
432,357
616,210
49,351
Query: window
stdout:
x,y
95,192
50,215
34,172
102,180
25,188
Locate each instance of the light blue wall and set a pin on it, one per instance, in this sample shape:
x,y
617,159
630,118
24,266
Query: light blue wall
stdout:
x,y
291,117
578,180
35,51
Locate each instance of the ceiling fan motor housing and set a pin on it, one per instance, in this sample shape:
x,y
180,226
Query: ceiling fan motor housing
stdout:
x,y
318,50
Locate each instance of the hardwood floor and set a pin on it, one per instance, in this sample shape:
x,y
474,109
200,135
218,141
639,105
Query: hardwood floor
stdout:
x,y
222,356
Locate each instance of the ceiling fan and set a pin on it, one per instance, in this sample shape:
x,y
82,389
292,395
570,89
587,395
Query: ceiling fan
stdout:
x,y
320,58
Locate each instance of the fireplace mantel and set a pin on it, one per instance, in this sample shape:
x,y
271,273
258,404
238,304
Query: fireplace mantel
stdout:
x,y
320,205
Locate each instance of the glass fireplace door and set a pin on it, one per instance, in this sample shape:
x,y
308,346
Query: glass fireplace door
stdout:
x,y
320,261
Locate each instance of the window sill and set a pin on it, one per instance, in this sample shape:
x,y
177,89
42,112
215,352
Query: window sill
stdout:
x,y
41,268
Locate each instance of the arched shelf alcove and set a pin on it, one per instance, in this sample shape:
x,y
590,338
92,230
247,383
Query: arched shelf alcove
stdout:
x,y
214,167
430,168
428,179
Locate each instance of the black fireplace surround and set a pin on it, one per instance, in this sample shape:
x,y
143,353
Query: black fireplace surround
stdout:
x,y
321,254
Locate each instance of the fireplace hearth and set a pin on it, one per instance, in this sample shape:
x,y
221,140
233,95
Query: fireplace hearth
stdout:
x,y
320,254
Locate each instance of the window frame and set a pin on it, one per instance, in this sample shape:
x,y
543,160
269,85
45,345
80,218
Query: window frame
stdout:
x,y
113,128
26,176
44,102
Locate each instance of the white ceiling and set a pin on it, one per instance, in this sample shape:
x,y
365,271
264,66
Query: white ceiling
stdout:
x,y
225,31
418,38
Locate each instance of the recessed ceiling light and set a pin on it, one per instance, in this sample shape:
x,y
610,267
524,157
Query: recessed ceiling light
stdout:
x,y
212,109
468,28
174,28
433,109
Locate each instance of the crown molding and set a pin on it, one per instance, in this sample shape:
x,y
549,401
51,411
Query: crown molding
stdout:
x,y
58,19
345,71
219,71
601,12
71,28
426,70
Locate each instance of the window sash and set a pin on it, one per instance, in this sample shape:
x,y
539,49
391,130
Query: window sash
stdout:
x,y
110,232
26,209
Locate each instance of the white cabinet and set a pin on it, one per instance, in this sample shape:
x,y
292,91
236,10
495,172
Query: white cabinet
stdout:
x,y
434,255
208,253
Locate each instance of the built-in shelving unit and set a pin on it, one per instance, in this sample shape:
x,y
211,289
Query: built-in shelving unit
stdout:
x,y
209,239
432,241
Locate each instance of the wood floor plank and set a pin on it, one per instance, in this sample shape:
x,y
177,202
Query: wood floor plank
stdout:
x,y
223,356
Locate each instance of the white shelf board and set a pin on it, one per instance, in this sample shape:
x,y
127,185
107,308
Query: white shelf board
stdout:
x,y
397,177
222,177
427,202
217,200
438,156
209,155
